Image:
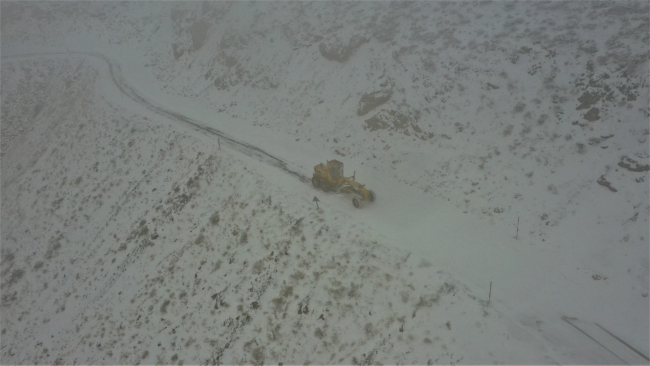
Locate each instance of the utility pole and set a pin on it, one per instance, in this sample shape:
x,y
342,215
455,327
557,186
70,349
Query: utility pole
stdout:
x,y
490,295
517,236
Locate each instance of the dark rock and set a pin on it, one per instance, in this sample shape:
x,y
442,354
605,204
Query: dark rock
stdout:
x,y
199,32
178,52
592,114
587,99
603,182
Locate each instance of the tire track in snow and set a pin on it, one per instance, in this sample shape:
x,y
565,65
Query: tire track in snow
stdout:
x,y
117,76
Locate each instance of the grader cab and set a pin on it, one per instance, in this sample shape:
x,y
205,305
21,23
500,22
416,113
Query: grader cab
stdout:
x,y
330,178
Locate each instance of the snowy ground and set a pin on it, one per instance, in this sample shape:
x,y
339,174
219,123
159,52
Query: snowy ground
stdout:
x,y
506,142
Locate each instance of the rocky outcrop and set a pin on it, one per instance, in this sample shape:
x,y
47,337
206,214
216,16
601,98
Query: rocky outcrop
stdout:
x,y
405,122
199,32
337,50
632,165
372,100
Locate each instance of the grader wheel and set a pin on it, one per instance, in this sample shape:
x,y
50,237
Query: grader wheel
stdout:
x,y
315,181
326,186
356,202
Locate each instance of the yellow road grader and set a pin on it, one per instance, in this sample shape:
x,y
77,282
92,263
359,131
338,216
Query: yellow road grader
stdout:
x,y
330,178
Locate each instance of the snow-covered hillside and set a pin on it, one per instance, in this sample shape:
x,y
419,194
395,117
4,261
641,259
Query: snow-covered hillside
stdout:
x,y
152,213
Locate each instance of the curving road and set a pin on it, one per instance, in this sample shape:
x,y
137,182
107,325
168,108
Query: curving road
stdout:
x,y
118,78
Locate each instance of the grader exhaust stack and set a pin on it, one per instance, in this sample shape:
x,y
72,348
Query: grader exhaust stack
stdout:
x,y
330,178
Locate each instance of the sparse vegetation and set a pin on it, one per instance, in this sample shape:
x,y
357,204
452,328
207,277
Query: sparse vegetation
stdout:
x,y
214,219
143,233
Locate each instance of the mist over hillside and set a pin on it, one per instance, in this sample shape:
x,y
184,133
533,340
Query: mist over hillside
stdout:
x,y
507,142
